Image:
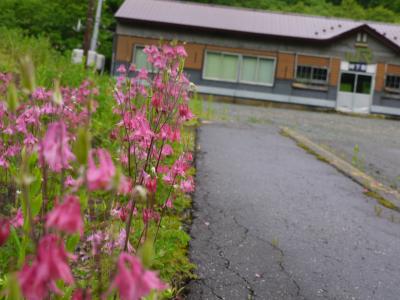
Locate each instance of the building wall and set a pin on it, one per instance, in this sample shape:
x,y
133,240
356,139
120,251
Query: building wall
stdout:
x,y
287,54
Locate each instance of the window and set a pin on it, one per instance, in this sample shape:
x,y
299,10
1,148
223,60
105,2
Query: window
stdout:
x,y
239,68
221,66
310,74
364,83
361,37
355,83
257,70
140,58
347,82
393,82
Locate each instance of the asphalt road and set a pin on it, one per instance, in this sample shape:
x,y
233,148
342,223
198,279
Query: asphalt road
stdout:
x,y
378,140
273,222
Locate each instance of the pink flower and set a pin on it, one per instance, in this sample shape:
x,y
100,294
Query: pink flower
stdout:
x,y
132,281
97,239
55,148
80,294
168,203
4,231
125,185
100,177
50,265
143,74
185,113
121,69
180,51
66,217
167,150
18,220
3,162
187,186
150,183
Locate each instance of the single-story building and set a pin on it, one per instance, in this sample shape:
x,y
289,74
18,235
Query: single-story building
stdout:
x,y
351,66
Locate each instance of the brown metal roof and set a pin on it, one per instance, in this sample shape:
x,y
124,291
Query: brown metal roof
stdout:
x,y
247,20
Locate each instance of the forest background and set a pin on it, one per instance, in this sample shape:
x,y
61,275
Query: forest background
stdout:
x,y
57,20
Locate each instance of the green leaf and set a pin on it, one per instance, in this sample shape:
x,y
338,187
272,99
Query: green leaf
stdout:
x,y
12,288
72,242
27,71
12,98
82,146
146,252
36,204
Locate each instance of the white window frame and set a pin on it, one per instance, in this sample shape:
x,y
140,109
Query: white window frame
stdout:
x,y
151,70
313,81
219,79
394,75
239,68
258,59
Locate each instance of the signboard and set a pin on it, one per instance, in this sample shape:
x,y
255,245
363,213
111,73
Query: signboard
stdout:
x,y
357,67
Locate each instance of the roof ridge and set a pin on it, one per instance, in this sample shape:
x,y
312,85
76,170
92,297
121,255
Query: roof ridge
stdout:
x,y
277,12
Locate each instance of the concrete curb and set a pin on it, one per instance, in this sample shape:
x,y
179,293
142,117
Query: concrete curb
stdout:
x,y
384,195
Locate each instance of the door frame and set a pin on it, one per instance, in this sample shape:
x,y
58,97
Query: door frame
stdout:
x,y
344,66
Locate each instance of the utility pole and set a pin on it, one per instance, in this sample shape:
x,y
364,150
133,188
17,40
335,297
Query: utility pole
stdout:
x,y
88,29
95,36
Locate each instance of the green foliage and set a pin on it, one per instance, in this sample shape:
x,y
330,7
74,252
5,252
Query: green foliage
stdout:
x,y
56,20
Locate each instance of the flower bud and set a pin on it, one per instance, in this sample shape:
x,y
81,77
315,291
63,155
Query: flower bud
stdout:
x,y
4,231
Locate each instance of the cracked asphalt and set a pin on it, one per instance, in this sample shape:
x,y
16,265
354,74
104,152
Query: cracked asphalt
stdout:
x,y
272,222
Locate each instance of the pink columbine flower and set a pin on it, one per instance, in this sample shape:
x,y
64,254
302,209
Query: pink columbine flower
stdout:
x,y
67,216
132,281
97,240
150,183
3,162
121,69
187,186
81,294
167,150
185,113
49,266
180,51
18,220
4,231
55,148
169,203
99,177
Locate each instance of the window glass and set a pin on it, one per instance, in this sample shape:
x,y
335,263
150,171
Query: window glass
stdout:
x,y
303,72
392,81
363,84
140,59
320,74
249,68
347,81
266,70
225,66
213,65
229,70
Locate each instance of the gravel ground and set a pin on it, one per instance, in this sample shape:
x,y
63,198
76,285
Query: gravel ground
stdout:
x,y
378,140
273,222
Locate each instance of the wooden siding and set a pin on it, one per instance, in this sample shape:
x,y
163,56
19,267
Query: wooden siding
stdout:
x,y
242,51
285,66
393,69
195,56
334,72
312,60
125,45
380,77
